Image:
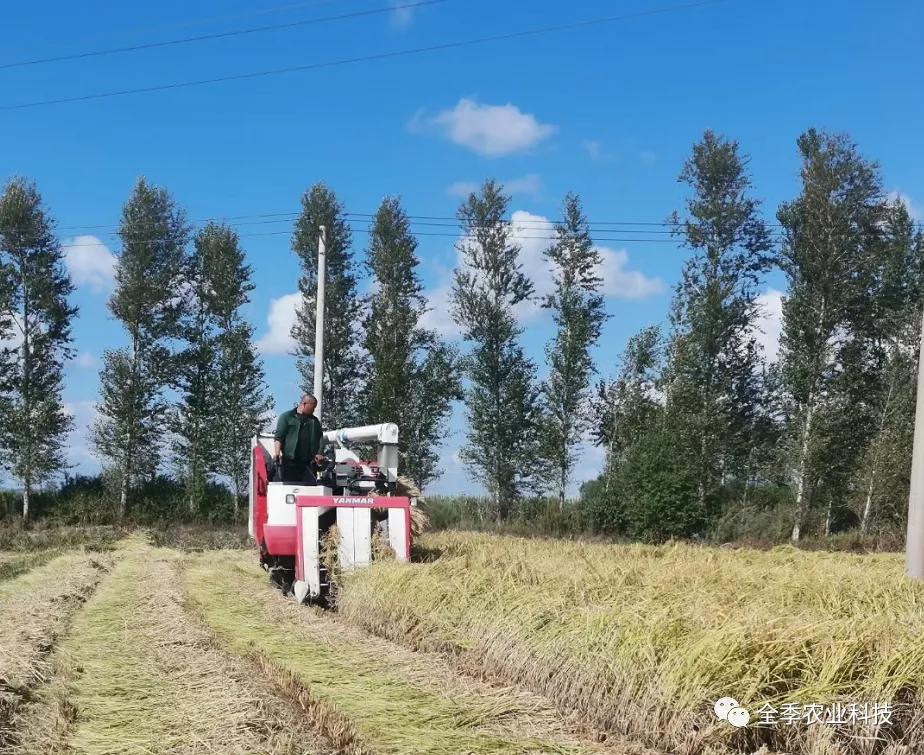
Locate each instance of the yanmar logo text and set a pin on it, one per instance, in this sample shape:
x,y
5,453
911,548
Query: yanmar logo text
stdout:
x,y
352,499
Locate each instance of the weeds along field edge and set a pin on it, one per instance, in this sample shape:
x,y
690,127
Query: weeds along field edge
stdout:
x,y
643,639
370,695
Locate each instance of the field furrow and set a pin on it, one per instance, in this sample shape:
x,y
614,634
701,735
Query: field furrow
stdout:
x,y
146,677
371,695
36,608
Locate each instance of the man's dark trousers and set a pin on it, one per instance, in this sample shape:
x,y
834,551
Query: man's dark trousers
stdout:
x,y
298,474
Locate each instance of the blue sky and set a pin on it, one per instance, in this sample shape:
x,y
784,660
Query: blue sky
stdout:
x,y
609,111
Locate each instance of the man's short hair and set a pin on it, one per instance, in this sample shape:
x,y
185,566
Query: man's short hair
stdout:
x,y
311,396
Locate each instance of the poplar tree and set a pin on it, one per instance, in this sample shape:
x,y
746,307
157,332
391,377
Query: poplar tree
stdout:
x,y
892,334
579,313
35,340
830,232
627,407
343,308
192,418
413,377
712,379
502,398
241,404
149,300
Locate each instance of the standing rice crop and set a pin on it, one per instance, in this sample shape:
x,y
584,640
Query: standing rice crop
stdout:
x,y
642,639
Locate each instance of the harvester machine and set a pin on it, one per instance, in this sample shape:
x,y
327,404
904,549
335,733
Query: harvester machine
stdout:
x,y
305,533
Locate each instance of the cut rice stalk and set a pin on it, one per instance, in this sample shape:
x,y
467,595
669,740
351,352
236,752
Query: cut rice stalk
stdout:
x,y
35,609
397,701
152,681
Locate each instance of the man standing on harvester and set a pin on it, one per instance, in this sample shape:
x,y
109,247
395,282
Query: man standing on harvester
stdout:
x,y
298,441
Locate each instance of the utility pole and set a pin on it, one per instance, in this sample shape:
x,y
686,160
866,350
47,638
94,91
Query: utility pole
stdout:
x,y
319,322
914,541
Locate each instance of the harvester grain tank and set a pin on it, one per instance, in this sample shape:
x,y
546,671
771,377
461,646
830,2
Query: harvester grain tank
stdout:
x,y
354,507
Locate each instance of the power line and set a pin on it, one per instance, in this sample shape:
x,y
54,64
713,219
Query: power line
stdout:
x,y
433,220
365,58
217,35
534,235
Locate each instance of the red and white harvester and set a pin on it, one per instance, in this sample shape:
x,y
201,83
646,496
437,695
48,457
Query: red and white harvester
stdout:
x,y
292,524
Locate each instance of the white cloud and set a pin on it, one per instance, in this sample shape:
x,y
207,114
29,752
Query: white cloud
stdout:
x,y
914,210
532,233
402,14
278,337
596,152
84,414
488,130
770,322
621,283
86,360
529,185
593,148
461,189
90,263
437,317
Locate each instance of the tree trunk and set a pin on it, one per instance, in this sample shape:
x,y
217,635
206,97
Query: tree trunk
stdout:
x,y
803,463
123,494
801,499
25,503
828,519
563,476
868,503
237,499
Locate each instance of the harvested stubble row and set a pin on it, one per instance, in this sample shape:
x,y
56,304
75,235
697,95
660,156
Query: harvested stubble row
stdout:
x,y
35,609
148,679
642,639
369,695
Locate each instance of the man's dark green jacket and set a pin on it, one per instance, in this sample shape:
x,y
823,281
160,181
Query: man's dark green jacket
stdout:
x,y
300,435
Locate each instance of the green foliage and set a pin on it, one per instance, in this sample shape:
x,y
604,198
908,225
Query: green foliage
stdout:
x,y
222,396
579,312
656,491
831,251
504,418
149,301
627,406
413,377
35,340
712,377
342,306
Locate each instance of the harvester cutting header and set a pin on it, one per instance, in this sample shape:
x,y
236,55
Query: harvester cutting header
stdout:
x,y
351,505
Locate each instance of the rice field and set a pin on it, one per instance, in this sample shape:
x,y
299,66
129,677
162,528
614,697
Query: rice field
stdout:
x,y
489,644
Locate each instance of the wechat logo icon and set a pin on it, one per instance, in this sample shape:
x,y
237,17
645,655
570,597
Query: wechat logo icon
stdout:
x,y
727,709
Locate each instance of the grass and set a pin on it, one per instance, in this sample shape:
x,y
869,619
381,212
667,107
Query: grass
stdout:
x,y
13,563
146,677
14,537
642,639
369,695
